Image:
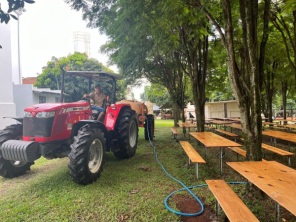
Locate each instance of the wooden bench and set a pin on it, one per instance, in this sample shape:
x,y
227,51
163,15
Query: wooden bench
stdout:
x,y
277,151
193,155
208,127
175,133
227,133
232,205
239,151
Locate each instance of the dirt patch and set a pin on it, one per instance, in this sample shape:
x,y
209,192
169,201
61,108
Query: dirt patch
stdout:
x,y
188,204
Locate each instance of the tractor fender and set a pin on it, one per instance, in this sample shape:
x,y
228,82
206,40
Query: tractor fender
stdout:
x,y
19,119
82,123
112,114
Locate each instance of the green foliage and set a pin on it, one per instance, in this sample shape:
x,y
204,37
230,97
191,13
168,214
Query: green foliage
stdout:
x,y
217,85
12,6
157,94
75,87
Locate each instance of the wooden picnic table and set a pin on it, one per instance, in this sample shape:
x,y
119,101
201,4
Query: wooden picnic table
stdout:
x,y
212,140
290,137
269,123
276,180
221,123
187,125
290,127
237,126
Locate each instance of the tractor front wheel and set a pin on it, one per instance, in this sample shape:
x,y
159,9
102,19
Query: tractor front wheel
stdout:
x,y
87,156
12,168
127,134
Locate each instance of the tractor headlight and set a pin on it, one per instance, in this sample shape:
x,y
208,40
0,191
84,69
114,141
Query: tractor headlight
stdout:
x,y
45,114
27,114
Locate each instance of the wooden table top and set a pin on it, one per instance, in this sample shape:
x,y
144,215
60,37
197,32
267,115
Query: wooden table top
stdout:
x,y
212,140
289,126
188,125
276,180
235,126
269,123
221,122
291,137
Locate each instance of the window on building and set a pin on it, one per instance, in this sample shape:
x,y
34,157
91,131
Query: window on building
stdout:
x,y
42,99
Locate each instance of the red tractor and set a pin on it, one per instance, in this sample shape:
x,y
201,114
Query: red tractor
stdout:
x,y
57,130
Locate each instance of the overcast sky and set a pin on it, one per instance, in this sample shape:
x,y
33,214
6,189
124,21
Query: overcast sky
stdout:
x,y
46,30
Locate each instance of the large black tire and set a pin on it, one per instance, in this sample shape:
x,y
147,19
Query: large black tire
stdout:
x,y
127,134
149,127
87,156
9,168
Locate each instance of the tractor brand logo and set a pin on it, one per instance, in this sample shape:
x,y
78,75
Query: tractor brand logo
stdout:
x,y
76,109
69,126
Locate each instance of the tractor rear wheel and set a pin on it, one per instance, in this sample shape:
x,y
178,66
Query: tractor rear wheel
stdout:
x,y
149,127
12,168
127,134
87,156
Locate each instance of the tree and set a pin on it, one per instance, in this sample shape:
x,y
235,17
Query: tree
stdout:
x,y
146,40
74,86
157,94
12,6
243,66
284,20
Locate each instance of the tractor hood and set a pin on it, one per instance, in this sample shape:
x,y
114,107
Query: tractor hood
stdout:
x,y
48,107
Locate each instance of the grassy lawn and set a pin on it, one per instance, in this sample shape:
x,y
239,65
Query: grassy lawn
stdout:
x,y
128,190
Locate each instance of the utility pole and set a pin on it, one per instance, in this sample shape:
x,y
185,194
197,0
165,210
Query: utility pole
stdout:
x,y
19,12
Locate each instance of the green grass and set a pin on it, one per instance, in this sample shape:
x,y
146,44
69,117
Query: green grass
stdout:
x,y
128,190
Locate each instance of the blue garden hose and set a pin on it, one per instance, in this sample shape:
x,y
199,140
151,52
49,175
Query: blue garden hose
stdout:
x,y
188,189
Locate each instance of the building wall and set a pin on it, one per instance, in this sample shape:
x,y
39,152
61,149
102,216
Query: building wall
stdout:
x,y
7,106
232,109
49,97
223,109
216,109
23,97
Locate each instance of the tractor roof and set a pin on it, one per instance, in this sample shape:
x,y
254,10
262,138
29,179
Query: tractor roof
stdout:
x,y
95,75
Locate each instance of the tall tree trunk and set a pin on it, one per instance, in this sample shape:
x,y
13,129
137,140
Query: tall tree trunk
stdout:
x,y
270,89
245,85
198,78
195,66
284,97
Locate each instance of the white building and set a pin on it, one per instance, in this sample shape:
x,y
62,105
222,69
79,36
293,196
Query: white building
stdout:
x,y
27,95
7,106
221,109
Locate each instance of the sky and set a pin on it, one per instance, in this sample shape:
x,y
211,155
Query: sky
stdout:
x,y
46,30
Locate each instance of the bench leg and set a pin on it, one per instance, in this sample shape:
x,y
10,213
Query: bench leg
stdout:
x,y
289,160
277,212
221,158
217,208
196,170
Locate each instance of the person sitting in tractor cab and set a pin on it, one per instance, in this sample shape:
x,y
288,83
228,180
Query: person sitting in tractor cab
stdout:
x,y
98,97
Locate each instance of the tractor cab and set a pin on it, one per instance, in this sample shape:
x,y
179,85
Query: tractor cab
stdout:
x,y
107,82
